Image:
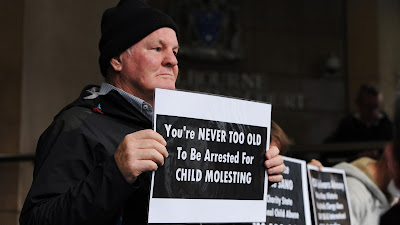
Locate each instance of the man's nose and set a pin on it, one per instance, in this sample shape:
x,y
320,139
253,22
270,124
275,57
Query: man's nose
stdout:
x,y
170,59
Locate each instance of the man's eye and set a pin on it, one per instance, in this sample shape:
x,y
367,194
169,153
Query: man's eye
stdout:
x,y
175,52
157,49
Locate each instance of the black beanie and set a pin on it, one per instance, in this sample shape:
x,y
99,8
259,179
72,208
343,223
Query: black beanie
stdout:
x,y
125,25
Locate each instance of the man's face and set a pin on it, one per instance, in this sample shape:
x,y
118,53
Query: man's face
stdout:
x,y
149,64
371,102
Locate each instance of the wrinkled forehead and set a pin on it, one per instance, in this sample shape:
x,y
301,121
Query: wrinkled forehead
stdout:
x,y
164,35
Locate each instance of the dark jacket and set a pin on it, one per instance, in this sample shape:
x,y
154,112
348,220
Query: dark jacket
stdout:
x,y
76,179
352,129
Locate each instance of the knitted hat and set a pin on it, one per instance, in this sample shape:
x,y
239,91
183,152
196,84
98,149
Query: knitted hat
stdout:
x,y
125,25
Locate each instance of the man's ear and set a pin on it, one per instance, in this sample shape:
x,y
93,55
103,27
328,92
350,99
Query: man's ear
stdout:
x,y
116,63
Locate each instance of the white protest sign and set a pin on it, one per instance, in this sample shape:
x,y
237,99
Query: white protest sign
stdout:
x,y
330,198
287,201
215,170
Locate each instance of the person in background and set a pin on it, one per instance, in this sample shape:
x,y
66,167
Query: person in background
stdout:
x,y
369,123
392,216
367,181
279,138
93,163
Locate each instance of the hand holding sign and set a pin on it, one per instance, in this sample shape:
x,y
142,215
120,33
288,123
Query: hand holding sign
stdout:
x,y
139,152
274,164
287,201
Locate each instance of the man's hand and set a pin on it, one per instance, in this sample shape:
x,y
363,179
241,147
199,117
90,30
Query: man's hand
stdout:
x,y
139,152
274,164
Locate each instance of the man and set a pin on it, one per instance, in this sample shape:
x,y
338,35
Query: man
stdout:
x,y
367,182
93,163
369,123
391,217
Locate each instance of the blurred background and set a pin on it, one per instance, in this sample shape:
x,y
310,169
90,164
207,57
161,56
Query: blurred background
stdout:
x,y
306,57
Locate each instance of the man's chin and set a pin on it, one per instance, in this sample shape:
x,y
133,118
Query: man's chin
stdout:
x,y
167,86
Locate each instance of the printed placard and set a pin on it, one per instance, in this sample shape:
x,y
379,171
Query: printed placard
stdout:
x,y
287,201
215,170
330,201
